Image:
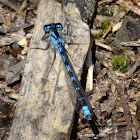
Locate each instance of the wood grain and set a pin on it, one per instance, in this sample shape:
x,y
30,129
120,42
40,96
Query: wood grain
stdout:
x,y
45,109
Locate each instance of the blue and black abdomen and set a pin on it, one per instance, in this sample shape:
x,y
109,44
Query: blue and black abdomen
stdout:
x,y
75,81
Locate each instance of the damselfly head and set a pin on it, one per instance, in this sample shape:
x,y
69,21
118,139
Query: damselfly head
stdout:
x,y
53,26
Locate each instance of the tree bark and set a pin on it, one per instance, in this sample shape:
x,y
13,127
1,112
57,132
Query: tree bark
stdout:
x,y
45,109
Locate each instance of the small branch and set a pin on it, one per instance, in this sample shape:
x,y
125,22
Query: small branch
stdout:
x,y
120,86
138,117
129,6
6,2
131,43
107,31
97,42
104,1
24,4
131,70
6,99
3,19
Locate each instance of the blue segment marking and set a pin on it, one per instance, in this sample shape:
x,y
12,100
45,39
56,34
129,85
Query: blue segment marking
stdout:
x,y
81,98
63,57
73,78
86,110
77,88
68,68
60,49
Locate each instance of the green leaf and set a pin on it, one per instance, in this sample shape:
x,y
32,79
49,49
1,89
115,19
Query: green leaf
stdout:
x,y
119,63
107,41
122,9
105,24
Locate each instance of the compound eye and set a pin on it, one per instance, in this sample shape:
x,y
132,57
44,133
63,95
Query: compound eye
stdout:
x,y
59,26
47,28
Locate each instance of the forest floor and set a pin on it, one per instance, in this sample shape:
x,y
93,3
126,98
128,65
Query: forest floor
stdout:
x,y
115,96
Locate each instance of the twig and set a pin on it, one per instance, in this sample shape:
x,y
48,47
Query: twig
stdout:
x,y
138,117
104,1
131,70
106,32
90,65
120,86
137,95
131,43
110,105
3,19
24,4
129,6
97,42
6,2
6,99
14,28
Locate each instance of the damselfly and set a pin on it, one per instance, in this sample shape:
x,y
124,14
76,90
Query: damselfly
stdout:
x,y
56,37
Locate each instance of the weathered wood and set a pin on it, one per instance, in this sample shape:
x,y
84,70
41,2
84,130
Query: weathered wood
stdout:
x,y
46,104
